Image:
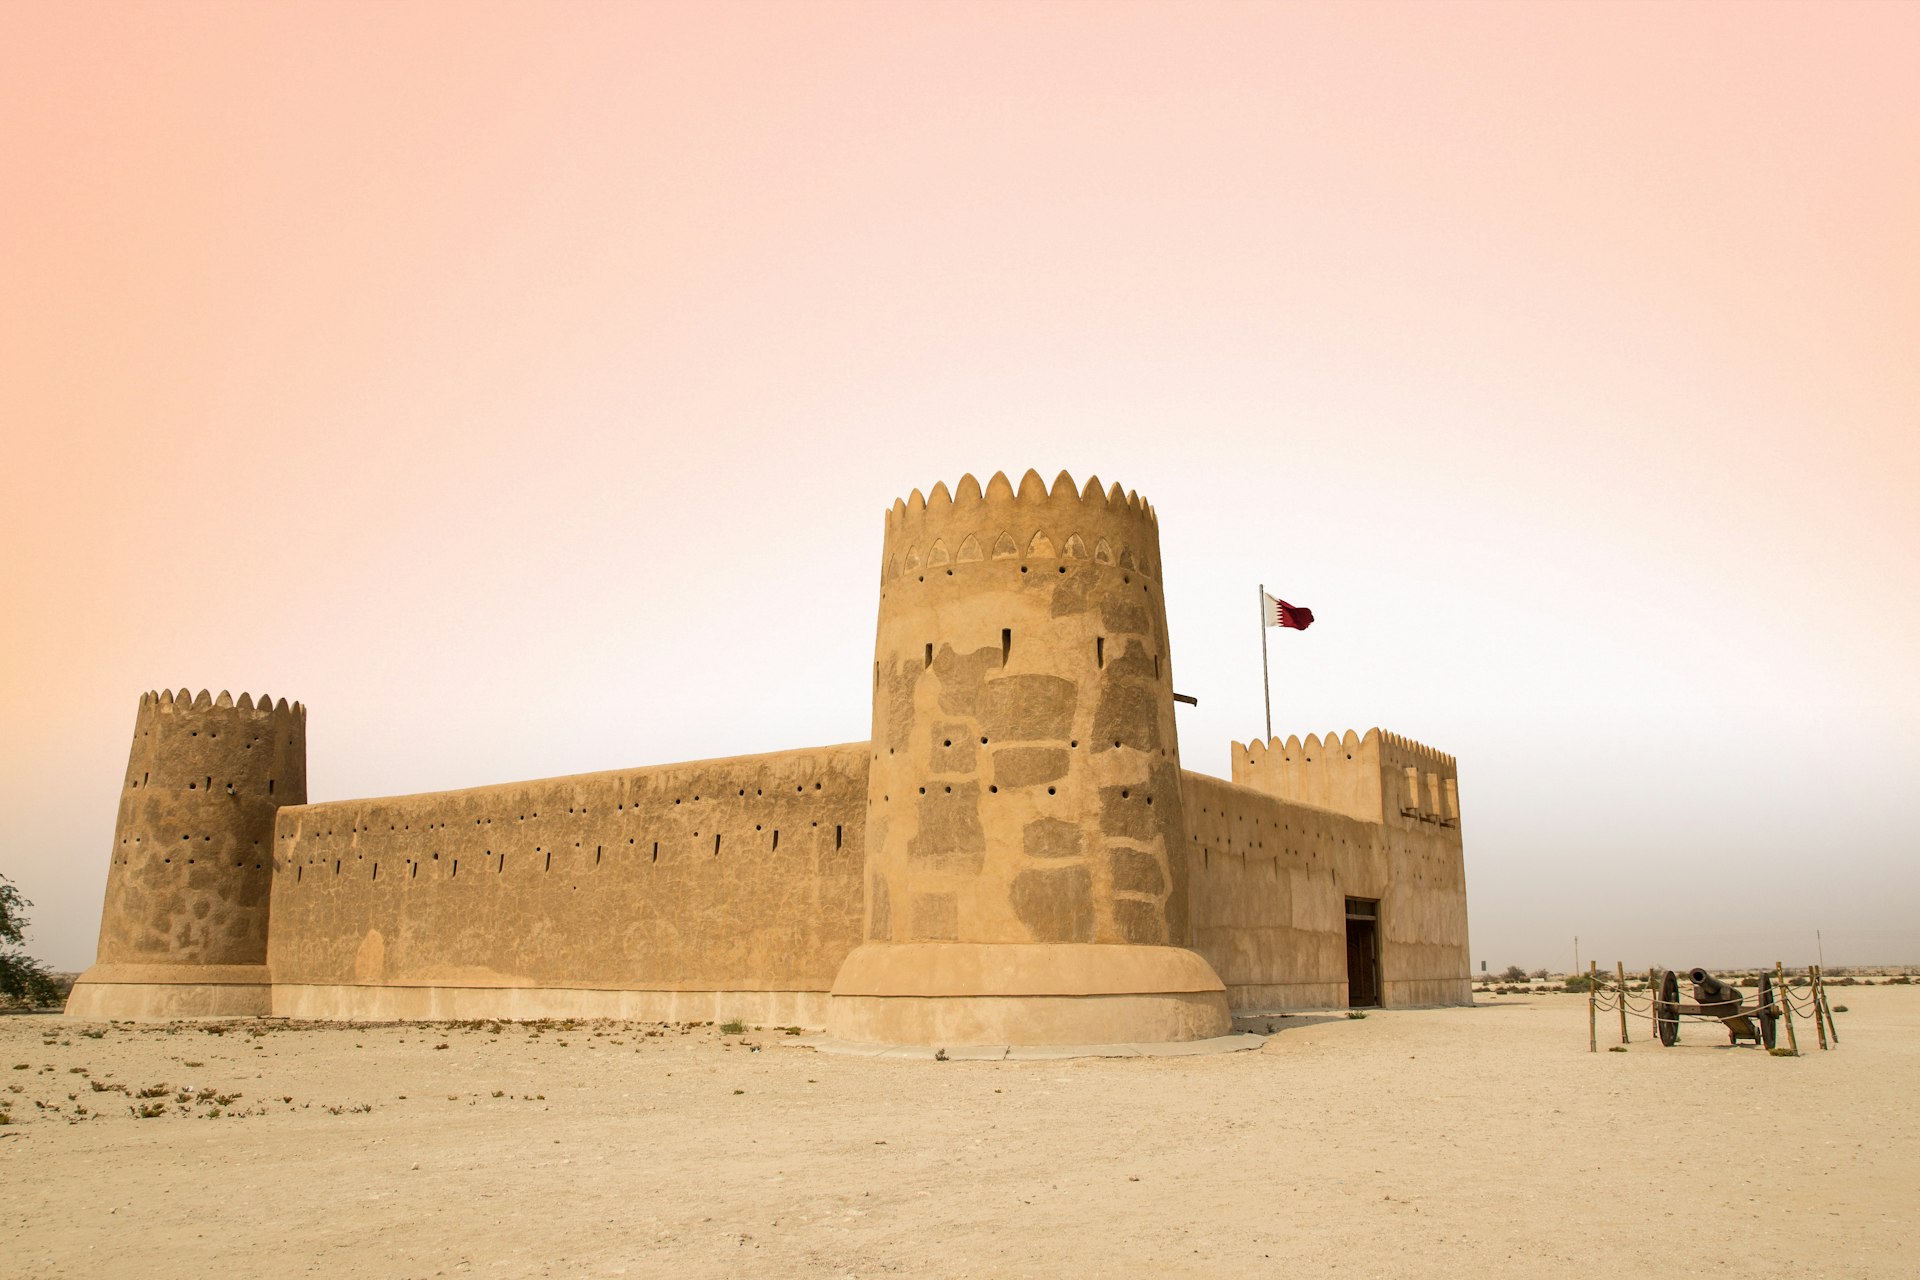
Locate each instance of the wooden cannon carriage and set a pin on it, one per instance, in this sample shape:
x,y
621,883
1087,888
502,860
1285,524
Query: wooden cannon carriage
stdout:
x,y
1718,1001
1714,1000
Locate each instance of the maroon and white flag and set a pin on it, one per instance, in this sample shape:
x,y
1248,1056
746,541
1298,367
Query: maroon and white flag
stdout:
x,y
1281,614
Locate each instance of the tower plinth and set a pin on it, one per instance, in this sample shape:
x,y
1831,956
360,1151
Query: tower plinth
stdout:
x,y
183,932
1025,876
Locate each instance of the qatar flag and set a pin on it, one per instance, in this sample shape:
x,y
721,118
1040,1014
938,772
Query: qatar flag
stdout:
x,y
1281,614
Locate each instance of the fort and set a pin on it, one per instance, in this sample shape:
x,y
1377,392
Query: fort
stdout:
x,y
1015,855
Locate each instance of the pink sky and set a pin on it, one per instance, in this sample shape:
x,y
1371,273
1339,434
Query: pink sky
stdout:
x,y
520,387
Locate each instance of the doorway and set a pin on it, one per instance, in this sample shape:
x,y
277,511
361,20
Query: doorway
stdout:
x,y
1363,952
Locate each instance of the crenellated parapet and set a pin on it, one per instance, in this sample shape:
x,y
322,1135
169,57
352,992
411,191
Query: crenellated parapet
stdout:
x,y
184,926
1375,776
930,537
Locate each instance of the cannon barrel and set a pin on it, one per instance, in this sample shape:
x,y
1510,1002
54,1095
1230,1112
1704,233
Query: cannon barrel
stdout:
x,y
1708,989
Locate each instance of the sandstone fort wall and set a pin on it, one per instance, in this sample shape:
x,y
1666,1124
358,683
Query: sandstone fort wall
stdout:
x,y
1270,876
1015,856
184,926
1025,777
691,891
1025,876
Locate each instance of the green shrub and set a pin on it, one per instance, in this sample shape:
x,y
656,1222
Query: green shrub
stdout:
x,y
733,1027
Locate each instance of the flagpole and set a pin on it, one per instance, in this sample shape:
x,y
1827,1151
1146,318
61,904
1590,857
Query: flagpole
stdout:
x,y
1266,681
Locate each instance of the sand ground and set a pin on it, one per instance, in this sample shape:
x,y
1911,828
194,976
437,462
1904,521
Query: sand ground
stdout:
x,y
1482,1141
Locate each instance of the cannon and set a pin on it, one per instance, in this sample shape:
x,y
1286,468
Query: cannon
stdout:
x,y
1718,1000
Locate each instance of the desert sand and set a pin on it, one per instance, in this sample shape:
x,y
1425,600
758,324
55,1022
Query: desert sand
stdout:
x,y
1482,1141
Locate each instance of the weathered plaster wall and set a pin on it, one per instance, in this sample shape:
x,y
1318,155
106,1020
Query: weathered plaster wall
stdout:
x,y
1025,776
717,888
183,929
192,858
1269,882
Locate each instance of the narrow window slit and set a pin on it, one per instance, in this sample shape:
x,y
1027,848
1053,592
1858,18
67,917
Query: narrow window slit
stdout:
x,y
1099,651
836,835
1006,644
929,653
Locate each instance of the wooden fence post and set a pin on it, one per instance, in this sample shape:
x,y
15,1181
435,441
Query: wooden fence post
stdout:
x,y
1826,1003
1620,972
1786,1006
1813,989
1593,1011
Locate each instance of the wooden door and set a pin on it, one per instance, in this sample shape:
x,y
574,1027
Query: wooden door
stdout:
x,y
1363,965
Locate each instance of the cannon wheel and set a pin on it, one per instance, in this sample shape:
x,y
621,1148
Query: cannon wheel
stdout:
x,y
1666,1009
1767,1017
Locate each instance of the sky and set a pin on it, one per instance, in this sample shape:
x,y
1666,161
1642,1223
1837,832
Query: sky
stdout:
x,y
521,386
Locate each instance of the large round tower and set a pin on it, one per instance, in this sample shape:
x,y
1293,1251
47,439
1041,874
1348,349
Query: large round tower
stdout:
x,y
1025,873
184,928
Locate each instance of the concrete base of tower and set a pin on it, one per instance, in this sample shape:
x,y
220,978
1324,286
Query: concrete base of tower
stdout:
x,y
959,993
160,991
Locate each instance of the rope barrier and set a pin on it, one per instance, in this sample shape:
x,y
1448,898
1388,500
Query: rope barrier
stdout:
x,y
1784,1001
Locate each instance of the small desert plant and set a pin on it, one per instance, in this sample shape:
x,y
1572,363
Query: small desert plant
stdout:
x,y
1513,973
1839,1008
1578,982
1356,1014
733,1027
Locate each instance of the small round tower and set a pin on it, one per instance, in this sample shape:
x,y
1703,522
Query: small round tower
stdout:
x,y
1026,876
183,932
